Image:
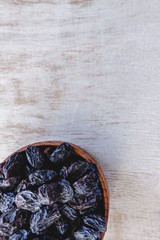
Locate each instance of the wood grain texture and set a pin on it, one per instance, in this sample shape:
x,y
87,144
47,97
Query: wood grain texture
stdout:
x,y
87,72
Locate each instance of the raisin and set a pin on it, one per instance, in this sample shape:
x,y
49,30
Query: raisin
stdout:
x,y
44,218
95,221
27,200
40,177
61,226
87,185
79,169
9,184
87,234
13,219
83,202
1,174
69,212
19,235
35,157
23,185
14,166
63,172
6,230
61,153
66,191
48,193
6,201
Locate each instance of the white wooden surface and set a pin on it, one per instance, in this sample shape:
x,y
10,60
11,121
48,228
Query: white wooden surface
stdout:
x,y
88,72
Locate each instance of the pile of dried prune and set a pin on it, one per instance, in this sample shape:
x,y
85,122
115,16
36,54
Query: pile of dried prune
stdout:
x,y
50,193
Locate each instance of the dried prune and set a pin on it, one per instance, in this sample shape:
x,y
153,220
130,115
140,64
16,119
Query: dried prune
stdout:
x,y
44,218
79,169
12,220
6,230
61,153
69,212
95,221
83,202
9,184
66,191
61,226
28,169
87,185
27,200
40,177
16,218
19,235
87,234
35,157
48,193
2,174
63,172
88,210
14,166
23,185
6,201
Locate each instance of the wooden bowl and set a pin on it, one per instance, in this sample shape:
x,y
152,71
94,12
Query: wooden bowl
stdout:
x,y
81,152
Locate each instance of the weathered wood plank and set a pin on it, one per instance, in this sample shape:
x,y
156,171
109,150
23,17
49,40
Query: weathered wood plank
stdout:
x,y
87,72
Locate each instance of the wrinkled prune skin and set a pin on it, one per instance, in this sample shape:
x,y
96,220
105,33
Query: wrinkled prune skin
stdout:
x,y
35,157
61,153
87,185
83,202
19,235
6,230
63,172
1,174
89,210
27,200
69,212
6,202
9,184
48,194
66,191
44,218
87,234
14,166
12,220
79,169
95,221
23,185
16,218
40,177
61,226
28,169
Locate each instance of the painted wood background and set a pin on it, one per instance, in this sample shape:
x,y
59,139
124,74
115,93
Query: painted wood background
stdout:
x,y
88,72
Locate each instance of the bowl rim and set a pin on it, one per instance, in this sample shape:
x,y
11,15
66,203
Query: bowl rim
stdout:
x,y
88,157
